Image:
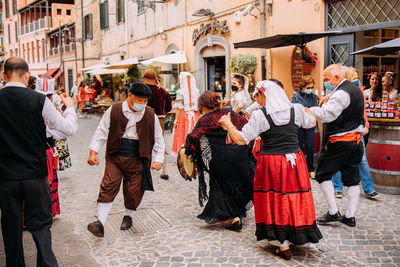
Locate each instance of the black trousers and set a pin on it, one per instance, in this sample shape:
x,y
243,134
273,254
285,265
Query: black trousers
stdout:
x,y
343,157
38,218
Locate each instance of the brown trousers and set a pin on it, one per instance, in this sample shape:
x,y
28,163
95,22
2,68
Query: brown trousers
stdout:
x,y
126,169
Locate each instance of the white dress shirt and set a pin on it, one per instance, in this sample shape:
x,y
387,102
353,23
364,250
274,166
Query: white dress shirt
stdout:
x,y
101,134
65,124
258,123
253,107
331,110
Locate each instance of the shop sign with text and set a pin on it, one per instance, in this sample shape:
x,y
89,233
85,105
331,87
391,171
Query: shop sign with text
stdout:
x,y
212,27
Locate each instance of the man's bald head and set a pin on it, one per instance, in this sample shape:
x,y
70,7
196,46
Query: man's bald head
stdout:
x,y
15,69
335,74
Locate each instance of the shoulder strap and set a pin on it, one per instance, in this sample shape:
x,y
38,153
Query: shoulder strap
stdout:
x,y
292,115
268,117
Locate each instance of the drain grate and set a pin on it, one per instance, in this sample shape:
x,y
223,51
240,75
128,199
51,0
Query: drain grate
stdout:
x,y
143,220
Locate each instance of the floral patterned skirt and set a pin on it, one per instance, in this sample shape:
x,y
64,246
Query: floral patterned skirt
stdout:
x,y
64,161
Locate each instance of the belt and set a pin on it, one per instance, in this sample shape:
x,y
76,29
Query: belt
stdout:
x,y
349,137
129,148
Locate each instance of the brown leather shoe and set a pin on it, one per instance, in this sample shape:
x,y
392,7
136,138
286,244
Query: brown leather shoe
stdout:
x,y
96,228
126,223
285,254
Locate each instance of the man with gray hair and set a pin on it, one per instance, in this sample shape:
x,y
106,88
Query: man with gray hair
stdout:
x,y
343,114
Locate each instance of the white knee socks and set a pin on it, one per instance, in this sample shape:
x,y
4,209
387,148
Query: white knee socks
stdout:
x,y
128,212
103,209
329,193
352,199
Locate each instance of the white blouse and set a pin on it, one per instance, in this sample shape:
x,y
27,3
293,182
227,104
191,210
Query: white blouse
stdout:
x,y
241,96
258,123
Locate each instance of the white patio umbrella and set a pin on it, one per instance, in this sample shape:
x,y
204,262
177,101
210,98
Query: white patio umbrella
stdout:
x,y
126,63
97,66
106,71
175,58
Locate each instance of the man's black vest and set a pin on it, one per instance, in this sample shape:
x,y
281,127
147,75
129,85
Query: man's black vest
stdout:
x,y
22,134
352,116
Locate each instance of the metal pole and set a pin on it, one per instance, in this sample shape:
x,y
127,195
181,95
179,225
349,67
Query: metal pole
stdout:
x,y
262,35
82,42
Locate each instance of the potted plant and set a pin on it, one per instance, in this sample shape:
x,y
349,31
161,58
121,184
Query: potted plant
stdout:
x,y
309,59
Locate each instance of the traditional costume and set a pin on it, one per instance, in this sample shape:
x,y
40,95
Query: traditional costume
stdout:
x,y
231,168
160,101
134,139
283,201
343,115
186,98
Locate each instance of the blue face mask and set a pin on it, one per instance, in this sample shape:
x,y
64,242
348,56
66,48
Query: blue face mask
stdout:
x,y
308,91
139,107
356,82
328,87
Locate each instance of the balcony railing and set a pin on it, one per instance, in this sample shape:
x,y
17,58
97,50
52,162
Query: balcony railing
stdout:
x,y
36,25
66,48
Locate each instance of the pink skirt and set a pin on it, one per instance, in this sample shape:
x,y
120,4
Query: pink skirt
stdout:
x,y
184,125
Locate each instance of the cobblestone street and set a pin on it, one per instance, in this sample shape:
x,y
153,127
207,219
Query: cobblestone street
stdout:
x,y
171,234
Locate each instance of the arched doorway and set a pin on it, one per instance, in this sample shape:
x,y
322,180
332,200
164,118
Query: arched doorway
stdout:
x,y
212,55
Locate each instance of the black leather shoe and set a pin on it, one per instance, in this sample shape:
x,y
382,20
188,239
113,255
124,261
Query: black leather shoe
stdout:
x,y
348,221
164,176
327,218
126,223
96,228
236,226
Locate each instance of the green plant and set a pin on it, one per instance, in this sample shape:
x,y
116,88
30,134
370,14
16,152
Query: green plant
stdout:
x,y
243,64
117,82
309,57
133,74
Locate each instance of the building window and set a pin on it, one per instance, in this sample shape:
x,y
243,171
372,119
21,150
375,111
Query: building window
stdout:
x,y
141,6
38,50
7,8
59,11
120,11
16,52
27,53
23,51
33,51
9,34
104,15
353,13
43,51
16,31
68,12
14,7
11,53
87,27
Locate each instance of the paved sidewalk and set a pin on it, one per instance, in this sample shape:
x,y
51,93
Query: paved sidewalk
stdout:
x,y
186,241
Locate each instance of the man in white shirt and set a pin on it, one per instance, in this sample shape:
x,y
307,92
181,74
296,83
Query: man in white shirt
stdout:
x,y
134,139
24,116
343,118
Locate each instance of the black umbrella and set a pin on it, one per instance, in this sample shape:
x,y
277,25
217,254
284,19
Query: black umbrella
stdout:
x,y
381,49
280,40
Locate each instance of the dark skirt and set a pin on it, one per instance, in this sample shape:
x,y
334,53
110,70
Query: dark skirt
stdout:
x,y
231,169
283,201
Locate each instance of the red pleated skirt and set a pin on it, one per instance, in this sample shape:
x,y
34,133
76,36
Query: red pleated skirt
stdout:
x,y
283,201
52,166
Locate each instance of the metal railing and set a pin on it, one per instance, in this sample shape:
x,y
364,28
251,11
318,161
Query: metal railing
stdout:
x,y
36,25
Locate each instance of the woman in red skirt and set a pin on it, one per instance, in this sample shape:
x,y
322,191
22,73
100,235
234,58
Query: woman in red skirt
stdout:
x,y
283,201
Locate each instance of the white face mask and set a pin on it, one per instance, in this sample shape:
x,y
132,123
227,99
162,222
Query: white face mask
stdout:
x,y
139,107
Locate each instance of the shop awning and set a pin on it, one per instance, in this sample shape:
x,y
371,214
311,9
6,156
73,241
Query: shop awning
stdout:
x,y
381,49
175,58
106,71
126,63
280,40
57,74
97,66
50,72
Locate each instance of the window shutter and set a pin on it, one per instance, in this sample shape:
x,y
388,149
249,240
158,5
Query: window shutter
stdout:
x,y
122,10
106,19
118,11
84,32
90,26
16,32
101,7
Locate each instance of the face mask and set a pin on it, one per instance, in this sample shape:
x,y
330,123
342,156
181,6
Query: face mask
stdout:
x,y
356,82
139,107
328,87
234,88
308,91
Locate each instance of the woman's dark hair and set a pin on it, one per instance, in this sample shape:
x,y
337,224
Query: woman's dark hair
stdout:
x,y
240,79
31,81
209,99
278,82
377,94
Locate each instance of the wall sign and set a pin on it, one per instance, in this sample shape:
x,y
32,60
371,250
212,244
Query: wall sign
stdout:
x,y
214,26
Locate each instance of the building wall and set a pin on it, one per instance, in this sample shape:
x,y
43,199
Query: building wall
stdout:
x,y
63,18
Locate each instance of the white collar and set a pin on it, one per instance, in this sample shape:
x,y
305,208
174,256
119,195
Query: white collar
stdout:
x,y
125,108
15,84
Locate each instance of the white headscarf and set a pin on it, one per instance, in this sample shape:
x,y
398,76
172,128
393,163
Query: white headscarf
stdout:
x,y
277,103
188,91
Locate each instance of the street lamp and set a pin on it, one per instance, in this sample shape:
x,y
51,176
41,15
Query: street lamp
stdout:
x,y
203,12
